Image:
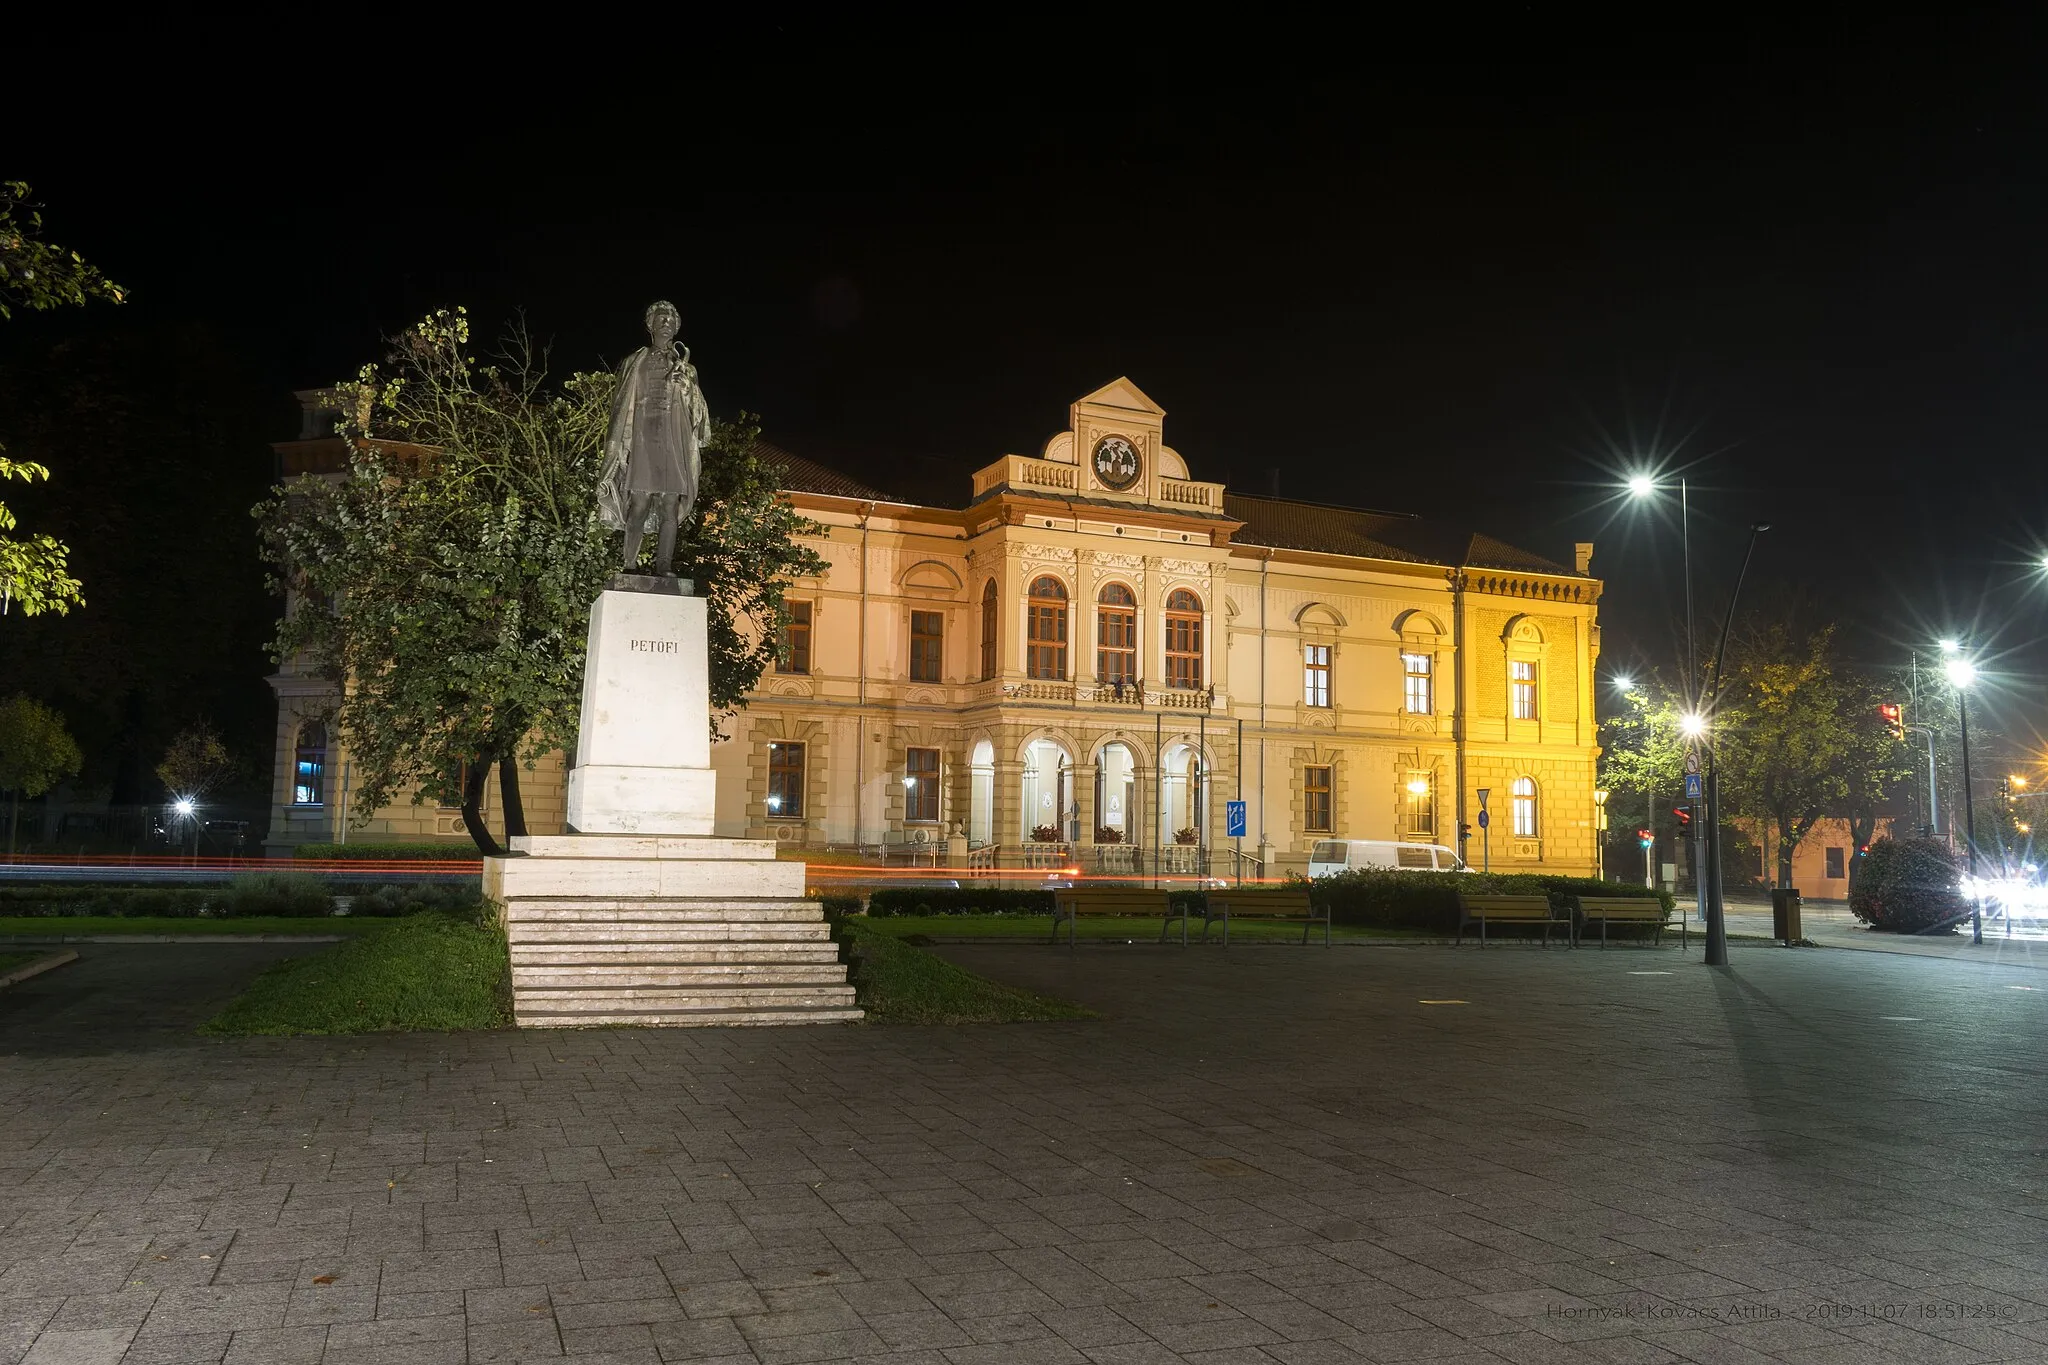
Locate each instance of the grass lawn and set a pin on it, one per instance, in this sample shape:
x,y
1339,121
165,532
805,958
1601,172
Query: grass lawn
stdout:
x,y
1143,930
417,973
9,961
899,984
49,925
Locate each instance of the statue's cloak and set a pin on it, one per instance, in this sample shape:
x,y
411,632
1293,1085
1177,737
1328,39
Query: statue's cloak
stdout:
x,y
612,495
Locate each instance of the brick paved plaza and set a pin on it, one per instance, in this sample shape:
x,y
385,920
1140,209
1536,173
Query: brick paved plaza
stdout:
x,y
1269,1155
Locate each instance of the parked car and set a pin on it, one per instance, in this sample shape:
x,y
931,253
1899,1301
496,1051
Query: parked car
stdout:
x,y
1332,856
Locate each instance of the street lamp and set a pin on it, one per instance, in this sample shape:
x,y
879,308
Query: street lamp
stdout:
x,y
1717,920
1642,486
1600,833
1961,673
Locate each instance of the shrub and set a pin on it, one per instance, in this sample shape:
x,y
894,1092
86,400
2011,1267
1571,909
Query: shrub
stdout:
x,y
180,902
465,903
838,904
293,894
959,900
1909,886
460,852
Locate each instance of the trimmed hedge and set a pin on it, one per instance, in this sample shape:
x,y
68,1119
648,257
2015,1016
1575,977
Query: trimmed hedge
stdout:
x,y
1425,901
388,852
391,902
1909,886
286,894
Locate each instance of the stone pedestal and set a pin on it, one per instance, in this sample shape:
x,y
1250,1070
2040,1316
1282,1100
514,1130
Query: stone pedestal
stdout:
x,y
643,752
638,916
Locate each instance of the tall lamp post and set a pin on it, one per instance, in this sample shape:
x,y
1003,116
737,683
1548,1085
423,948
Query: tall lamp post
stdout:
x,y
1600,834
1642,486
1717,929
1961,673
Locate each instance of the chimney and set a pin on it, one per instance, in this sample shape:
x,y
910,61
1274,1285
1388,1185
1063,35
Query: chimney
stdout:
x,y
1582,556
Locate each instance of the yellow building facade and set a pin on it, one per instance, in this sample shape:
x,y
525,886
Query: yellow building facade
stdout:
x,y
1084,664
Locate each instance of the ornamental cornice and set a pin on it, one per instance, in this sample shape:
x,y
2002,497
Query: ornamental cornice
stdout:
x,y
1193,568
1051,553
1110,559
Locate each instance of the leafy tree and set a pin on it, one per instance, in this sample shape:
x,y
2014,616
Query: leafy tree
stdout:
x,y
36,752
1798,736
1910,886
40,275
196,762
1642,760
445,582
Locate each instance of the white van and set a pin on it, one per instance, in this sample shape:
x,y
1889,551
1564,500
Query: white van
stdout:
x,y
1331,856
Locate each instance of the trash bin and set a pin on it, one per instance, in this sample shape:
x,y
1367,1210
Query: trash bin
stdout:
x,y
1785,915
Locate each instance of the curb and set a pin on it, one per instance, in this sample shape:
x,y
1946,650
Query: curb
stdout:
x,y
37,968
175,938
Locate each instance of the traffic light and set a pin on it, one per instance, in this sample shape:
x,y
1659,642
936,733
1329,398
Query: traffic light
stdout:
x,y
1643,838
1464,831
1894,717
1684,814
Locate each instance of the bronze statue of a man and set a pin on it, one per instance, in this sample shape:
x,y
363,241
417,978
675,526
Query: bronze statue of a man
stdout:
x,y
653,449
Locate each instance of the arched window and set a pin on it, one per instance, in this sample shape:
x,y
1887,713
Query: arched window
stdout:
x,y
988,631
1116,636
1046,631
1183,639
309,765
1525,807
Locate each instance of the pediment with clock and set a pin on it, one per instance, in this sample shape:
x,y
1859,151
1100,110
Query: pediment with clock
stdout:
x,y
1115,450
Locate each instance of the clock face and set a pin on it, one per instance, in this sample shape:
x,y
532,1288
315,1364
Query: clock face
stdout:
x,y
1116,462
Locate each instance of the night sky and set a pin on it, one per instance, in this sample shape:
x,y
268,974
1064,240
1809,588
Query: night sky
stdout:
x,y
1478,277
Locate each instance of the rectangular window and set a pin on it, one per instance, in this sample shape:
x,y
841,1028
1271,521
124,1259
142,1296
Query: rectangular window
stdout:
x,y
785,781
1046,655
1416,691
1116,654
796,641
927,646
1835,872
1315,675
921,784
1419,804
1414,856
1183,650
1315,800
1522,673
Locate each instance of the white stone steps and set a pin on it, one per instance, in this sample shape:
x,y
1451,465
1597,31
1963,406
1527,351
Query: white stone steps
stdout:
x,y
529,976
667,949
681,910
768,937
580,999
714,1017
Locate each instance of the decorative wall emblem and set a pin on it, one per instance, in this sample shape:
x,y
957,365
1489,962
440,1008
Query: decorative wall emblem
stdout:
x,y
1116,462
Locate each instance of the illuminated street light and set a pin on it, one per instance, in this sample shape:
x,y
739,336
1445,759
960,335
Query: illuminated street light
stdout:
x,y
1642,485
1950,646
1960,671
1623,682
2018,780
1692,725
184,807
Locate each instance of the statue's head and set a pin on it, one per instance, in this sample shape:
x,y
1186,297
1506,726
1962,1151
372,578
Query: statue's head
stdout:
x,y
663,322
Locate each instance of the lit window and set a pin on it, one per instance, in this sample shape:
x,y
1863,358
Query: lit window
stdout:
x,y
785,781
988,631
1183,640
1416,691
1837,870
309,765
1315,677
795,655
1046,630
1419,804
1522,673
927,646
1116,636
921,784
1315,800
1524,792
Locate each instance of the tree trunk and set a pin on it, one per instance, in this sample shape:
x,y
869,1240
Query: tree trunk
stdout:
x,y
1861,828
472,808
508,794
1787,845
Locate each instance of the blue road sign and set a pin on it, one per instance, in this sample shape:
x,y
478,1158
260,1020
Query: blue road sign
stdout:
x,y
1484,819
1233,819
1695,786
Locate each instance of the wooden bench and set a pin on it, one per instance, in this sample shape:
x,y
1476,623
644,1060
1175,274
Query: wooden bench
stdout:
x,y
1484,910
1624,910
1069,905
1290,905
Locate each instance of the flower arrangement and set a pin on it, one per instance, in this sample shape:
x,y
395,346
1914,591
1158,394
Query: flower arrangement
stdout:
x,y
1185,836
1045,834
1108,834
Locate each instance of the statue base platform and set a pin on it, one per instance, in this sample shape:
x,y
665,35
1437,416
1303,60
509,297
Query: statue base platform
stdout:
x,y
643,751
664,930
